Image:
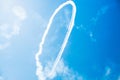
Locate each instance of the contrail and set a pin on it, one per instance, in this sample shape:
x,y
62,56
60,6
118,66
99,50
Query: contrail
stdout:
x,y
39,71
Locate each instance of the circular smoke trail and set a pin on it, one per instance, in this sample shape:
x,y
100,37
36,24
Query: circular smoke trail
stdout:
x,y
39,70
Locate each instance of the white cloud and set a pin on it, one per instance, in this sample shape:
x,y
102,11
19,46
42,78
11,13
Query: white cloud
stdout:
x,y
62,71
66,73
11,28
8,31
100,13
20,12
92,36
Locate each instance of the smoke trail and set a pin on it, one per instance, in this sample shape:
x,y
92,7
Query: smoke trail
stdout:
x,y
39,71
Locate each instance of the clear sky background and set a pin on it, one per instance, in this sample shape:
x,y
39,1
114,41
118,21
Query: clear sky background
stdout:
x,y
93,49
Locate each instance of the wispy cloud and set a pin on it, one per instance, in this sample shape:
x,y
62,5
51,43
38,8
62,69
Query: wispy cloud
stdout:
x,y
20,12
11,28
62,71
8,31
93,21
103,10
66,73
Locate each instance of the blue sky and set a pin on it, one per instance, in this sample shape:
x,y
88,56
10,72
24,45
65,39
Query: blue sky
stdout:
x,y
92,51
